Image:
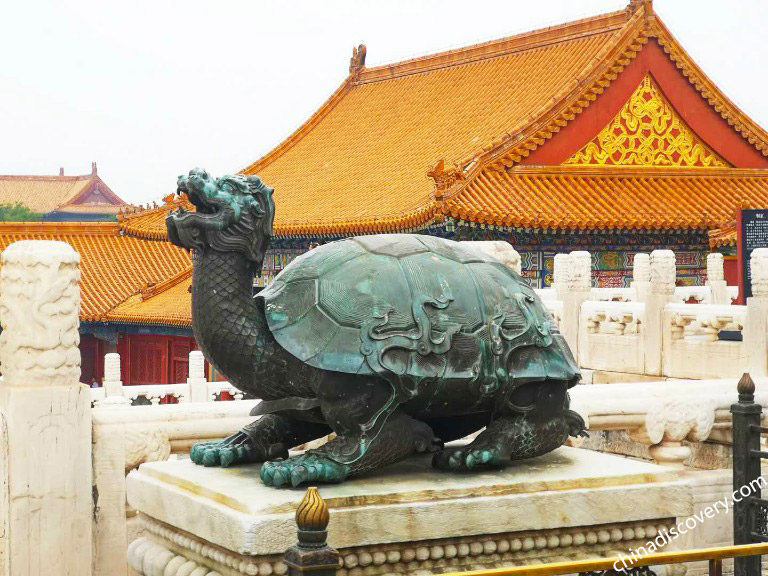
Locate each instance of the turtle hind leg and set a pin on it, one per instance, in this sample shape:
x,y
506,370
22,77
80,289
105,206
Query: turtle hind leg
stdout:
x,y
400,437
268,437
506,438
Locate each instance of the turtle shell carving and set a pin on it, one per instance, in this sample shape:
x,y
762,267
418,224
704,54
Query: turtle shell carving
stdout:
x,y
415,309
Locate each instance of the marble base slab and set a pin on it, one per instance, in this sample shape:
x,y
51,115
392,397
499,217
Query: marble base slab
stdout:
x,y
579,495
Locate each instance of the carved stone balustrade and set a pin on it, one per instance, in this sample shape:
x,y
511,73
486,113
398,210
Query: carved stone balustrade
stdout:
x,y
555,308
125,437
154,393
611,336
196,389
665,416
619,319
613,294
704,323
715,269
693,344
699,294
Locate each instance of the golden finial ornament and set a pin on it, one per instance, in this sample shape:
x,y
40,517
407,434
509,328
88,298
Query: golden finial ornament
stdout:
x,y
312,514
312,553
746,387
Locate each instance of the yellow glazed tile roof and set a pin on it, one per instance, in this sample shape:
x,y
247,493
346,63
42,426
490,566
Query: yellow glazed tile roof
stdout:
x,y
113,266
168,303
397,147
360,163
149,223
587,197
722,237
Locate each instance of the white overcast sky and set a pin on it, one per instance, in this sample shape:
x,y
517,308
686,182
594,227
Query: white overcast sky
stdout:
x,y
149,89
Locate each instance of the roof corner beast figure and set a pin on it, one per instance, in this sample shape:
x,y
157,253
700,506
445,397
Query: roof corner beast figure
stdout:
x,y
394,342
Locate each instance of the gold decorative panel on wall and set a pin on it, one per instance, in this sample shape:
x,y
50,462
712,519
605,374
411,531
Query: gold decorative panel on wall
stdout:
x,y
647,132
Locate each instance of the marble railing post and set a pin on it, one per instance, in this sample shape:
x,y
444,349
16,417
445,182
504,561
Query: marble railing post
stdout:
x,y
578,288
716,279
755,332
113,385
198,384
47,414
641,276
503,251
660,293
561,272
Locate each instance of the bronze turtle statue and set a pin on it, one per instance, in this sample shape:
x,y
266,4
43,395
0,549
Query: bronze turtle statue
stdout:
x,y
397,343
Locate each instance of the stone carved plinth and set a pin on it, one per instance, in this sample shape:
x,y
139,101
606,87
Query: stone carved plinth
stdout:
x,y
405,519
45,415
39,307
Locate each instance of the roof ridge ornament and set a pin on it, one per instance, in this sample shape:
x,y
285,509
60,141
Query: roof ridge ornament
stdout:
x,y
444,178
357,62
635,5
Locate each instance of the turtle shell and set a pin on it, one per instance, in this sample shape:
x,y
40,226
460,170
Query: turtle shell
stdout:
x,y
409,307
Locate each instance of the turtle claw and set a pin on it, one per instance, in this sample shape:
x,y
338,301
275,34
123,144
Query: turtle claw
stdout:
x,y
197,452
211,457
227,457
234,449
298,470
468,458
298,476
576,425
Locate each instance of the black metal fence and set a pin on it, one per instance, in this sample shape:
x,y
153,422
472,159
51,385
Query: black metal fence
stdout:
x,y
750,511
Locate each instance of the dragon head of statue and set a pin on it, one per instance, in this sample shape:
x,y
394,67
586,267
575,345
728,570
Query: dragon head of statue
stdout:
x,y
232,214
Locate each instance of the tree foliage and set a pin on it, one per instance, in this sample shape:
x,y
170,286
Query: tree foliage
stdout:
x,y
17,212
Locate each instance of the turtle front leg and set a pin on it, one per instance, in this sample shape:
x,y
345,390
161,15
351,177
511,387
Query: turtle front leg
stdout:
x,y
507,438
268,437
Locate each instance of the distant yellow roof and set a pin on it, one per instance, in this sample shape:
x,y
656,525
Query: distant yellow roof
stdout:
x,y
44,194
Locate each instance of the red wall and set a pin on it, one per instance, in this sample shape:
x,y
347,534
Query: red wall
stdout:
x,y
154,359
91,359
730,270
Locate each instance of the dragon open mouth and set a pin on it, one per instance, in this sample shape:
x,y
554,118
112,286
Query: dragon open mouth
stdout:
x,y
199,187
233,213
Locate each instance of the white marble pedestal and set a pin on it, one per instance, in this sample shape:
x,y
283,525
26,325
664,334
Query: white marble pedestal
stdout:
x,y
407,518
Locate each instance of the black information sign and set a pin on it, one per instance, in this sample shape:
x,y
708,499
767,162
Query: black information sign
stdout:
x,y
753,233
